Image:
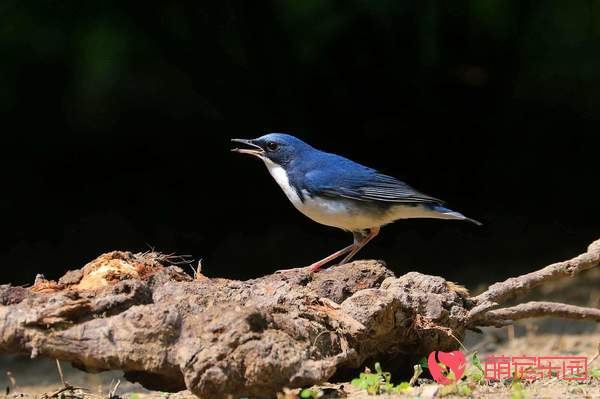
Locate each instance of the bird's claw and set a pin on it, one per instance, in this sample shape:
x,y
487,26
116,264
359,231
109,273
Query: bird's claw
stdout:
x,y
297,269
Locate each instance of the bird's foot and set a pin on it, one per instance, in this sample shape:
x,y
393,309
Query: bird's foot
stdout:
x,y
307,269
314,268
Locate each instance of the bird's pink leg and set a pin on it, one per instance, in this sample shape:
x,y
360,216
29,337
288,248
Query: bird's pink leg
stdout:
x,y
360,241
360,244
315,266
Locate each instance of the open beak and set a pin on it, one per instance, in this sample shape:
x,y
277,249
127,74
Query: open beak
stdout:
x,y
255,150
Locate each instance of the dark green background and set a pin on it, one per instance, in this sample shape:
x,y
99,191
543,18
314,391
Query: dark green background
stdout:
x,y
116,117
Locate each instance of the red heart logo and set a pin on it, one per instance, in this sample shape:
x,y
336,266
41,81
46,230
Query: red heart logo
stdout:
x,y
455,361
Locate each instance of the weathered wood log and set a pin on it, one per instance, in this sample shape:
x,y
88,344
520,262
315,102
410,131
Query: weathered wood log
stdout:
x,y
218,337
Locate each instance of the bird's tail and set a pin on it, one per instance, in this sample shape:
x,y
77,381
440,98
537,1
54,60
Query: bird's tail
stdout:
x,y
445,213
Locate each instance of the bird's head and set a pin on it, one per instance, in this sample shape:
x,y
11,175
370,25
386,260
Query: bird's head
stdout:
x,y
276,147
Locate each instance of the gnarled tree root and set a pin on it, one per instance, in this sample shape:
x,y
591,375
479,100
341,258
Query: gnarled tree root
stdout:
x,y
217,337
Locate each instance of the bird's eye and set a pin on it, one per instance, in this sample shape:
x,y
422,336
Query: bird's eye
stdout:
x,y
272,146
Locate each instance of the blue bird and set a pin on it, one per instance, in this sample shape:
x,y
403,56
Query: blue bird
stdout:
x,y
335,191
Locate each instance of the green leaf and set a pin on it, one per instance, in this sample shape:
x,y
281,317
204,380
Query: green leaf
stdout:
x,y
306,393
451,376
403,386
387,376
387,387
418,370
359,383
464,390
517,391
373,379
423,363
476,362
372,389
473,374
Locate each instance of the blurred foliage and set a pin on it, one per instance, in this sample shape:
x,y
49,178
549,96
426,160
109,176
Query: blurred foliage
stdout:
x,y
546,49
97,95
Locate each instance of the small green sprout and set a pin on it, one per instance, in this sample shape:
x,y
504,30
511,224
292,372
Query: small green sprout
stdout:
x,y
463,389
476,362
378,382
460,389
310,394
517,390
475,372
403,386
418,371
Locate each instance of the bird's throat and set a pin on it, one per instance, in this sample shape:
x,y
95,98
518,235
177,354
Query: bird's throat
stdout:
x,y
281,177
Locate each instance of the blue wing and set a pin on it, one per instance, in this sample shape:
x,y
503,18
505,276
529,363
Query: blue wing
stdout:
x,y
335,176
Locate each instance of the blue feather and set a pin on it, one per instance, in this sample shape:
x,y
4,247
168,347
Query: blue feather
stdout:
x,y
445,211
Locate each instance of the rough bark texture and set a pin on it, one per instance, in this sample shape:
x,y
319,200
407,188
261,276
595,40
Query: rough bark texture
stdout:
x,y
505,290
216,337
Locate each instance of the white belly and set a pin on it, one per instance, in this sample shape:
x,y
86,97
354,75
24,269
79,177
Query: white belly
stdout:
x,y
340,213
346,215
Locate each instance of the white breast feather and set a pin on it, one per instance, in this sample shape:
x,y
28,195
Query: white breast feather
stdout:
x,y
280,176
